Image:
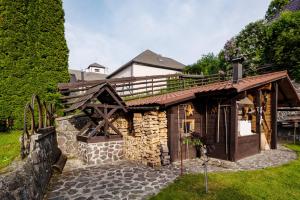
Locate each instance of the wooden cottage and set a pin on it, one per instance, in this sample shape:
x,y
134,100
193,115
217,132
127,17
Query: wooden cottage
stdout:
x,y
237,117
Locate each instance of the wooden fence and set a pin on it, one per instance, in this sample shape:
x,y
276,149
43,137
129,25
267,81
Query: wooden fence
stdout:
x,y
138,87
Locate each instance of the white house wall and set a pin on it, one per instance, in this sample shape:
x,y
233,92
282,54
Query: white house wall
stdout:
x,y
142,70
138,70
123,73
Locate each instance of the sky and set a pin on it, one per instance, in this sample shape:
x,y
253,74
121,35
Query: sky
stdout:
x,y
112,32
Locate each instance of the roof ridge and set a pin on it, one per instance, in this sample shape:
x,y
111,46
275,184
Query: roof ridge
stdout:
x,y
259,75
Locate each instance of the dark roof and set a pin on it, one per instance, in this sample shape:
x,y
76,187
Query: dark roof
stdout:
x,y
96,65
91,93
152,59
243,85
88,76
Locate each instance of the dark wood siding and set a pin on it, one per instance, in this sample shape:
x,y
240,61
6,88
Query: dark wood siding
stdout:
x,y
189,151
247,146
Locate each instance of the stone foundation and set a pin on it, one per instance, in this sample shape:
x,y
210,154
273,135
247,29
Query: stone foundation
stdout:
x,y
101,153
67,128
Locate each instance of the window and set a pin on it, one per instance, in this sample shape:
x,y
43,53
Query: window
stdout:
x,y
97,70
188,126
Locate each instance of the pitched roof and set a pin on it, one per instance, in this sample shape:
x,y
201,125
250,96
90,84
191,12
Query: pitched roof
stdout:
x,y
88,76
242,85
91,93
152,59
96,65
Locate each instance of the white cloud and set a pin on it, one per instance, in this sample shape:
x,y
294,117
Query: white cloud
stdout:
x,y
183,30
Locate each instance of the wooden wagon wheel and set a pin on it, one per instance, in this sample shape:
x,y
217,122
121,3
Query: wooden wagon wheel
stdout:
x,y
28,130
36,99
49,114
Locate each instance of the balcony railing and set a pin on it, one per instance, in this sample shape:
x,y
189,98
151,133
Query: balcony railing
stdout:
x,y
139,87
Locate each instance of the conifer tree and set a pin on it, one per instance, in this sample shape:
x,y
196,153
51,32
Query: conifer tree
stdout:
x,y
33,52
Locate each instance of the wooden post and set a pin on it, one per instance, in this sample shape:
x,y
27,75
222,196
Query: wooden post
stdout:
x,y
234,130
258,113
295,129
274,100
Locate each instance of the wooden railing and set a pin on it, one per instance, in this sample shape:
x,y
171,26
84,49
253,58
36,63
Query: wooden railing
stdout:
x,y
138,87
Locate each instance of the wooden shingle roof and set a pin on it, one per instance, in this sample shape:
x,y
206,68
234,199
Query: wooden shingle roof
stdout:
x,y
243,85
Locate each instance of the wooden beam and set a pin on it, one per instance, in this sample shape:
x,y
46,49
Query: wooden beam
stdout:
x,y
90,105
233,148
274,105
106,121
116,99
258,113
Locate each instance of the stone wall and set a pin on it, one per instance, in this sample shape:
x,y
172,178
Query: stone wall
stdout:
x,y
30,180
67,128
102,152
143,136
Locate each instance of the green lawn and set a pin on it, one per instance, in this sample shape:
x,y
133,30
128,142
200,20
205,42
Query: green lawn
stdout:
x,y
272,183
9,147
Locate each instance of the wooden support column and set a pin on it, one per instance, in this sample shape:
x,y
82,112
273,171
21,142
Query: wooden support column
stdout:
x,y
234,131
258,113
274,104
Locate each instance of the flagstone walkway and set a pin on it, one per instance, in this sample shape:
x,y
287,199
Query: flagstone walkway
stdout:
x,y
128,180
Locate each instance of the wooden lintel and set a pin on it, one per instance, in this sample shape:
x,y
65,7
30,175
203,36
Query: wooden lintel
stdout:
x,y
90,105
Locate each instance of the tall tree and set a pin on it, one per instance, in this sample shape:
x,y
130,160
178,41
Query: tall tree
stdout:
x,y
249,44
33,53
283,43
275,8
207,64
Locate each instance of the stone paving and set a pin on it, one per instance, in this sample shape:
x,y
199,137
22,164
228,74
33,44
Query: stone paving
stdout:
x,y
259,161
129,180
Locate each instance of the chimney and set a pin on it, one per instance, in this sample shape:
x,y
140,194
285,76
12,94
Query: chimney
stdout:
x,y
82,75
237,68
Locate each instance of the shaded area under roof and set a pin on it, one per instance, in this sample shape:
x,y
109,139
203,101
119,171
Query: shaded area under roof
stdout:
x,y
286,90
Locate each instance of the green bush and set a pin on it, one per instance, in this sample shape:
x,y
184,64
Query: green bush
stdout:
x,y
33,54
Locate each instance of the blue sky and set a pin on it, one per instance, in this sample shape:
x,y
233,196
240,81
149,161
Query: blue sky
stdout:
x,y
111,32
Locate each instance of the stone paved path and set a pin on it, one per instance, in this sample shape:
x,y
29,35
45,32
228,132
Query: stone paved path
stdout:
x,y
123,180
128,180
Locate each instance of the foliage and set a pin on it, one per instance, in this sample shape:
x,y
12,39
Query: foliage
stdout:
x,y
271,183
249,44
207,64
275,8
283,43
33,54
9,147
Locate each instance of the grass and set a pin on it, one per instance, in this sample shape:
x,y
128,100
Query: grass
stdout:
x,y
272,183
9,147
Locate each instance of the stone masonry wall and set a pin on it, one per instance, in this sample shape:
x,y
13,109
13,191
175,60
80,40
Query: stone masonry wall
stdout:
x,y
102,152
143,136
30,180
67,128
